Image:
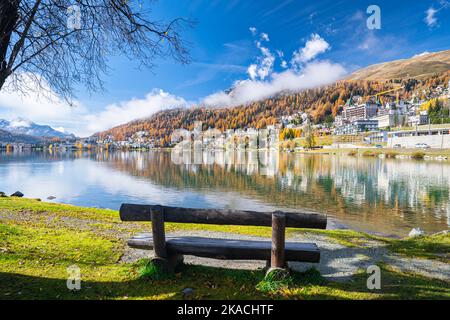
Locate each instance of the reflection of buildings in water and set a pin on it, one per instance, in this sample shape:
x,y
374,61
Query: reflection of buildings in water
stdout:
x,y
262,162
421,185
403,185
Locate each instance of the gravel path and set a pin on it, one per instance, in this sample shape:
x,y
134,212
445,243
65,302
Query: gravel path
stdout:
x,y
337,262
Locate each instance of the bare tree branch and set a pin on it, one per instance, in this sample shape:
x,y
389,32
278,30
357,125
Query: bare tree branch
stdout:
x,y
36,37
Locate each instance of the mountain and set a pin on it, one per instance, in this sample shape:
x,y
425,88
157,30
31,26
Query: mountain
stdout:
x,y
8,137
418,67
24,127
419,76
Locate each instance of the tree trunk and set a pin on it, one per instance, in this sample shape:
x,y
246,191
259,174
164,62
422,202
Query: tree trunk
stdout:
x,y
8,18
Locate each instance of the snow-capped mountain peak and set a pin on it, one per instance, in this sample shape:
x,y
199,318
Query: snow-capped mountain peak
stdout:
x,y
26,127
20,123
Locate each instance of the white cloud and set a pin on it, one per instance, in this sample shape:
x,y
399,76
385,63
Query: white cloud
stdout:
x,y
265,37
313,47
253,30
421,54
252,71
313,74
50,109
430,18
264,83
39,104
123,112
371,41
265,64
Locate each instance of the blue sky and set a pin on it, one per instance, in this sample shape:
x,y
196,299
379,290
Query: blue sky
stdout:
x,y
223,48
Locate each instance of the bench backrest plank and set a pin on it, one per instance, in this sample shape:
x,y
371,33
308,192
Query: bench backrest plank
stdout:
x,y
136,212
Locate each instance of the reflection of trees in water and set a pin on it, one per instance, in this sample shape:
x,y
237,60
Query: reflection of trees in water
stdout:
x,y
378,190
47,155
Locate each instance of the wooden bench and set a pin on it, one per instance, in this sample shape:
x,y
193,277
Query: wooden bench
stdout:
x,y
169,251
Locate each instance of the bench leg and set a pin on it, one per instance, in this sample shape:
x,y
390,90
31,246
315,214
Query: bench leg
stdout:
x,y
161,258
175,261
162,264
278,240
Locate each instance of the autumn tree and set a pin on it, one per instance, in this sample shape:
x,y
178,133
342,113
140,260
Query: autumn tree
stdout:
x,y
60,44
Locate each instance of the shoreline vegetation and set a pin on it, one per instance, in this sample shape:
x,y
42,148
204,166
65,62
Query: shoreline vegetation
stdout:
x,y
442,154
39,241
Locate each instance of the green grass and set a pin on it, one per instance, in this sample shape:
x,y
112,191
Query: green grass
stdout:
x,y
37,245
279,281
320,141
149,270
428,247
376,151
418,155
370,153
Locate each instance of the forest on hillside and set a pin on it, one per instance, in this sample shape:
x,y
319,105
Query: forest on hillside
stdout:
x,y
323,104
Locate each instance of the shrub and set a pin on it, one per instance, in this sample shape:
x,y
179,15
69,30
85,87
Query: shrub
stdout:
x,y
277,280
289,145
353,153
152,271
370,153
418,155
391,154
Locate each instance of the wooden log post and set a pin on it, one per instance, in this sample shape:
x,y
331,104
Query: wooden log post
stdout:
x,y
159,238
278,240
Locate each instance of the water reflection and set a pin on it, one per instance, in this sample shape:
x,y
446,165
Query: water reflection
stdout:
x,y
382,195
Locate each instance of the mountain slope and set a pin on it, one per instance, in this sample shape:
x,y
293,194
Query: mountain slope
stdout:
x,y
417,67
25,127
8,137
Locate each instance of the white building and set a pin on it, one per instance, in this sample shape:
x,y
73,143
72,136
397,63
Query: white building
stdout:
x,y
392,118
420,119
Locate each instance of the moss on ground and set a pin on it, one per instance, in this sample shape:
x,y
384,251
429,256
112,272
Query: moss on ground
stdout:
x,y
39,241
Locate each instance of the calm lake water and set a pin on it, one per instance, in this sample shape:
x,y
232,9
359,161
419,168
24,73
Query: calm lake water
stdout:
x,y
388,196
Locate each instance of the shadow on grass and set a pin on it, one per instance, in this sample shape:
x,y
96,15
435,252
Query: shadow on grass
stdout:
x,y
218,283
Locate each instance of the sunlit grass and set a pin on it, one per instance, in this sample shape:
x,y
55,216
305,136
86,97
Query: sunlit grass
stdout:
x,y
35,254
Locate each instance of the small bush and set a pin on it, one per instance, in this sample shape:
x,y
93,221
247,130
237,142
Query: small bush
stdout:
x,y
149,270
282,279
370,153
289,145
418,155
353,153
391,154
275,280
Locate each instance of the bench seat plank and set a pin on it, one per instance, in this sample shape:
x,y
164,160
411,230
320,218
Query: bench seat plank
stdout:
x,y
229,249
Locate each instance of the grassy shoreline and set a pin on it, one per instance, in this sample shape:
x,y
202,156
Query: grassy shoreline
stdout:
x,y
39,240
400,153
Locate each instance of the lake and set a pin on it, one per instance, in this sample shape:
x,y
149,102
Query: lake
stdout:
x,y
388,196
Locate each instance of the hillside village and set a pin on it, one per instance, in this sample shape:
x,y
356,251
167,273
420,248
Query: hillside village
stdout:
x,y
368,116
375,119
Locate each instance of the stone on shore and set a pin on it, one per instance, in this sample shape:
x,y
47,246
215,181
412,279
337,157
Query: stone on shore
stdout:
x,y
188,293
416,232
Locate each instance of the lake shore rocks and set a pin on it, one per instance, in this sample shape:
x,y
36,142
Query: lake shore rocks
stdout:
x,y
416,232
